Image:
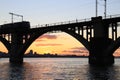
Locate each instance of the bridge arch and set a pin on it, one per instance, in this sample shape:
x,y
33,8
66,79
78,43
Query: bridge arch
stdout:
x,y
34,36
114,46
5,43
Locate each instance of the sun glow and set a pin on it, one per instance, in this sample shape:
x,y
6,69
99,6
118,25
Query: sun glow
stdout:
x,y
57,43
3,48
60,43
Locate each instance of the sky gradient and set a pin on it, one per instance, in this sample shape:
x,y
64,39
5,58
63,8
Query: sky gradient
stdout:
x,y
52,11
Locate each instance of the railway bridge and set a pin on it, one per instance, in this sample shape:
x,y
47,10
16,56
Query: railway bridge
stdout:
x,y
100,37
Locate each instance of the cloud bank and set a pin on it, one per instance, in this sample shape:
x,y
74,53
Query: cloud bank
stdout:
x,y
76,50
48,36
48,45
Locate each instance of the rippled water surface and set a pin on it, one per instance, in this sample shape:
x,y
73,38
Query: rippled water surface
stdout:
x,y
57,69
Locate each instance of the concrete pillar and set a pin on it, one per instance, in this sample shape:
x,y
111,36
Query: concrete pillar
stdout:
x,y
97,52
99,44
16,43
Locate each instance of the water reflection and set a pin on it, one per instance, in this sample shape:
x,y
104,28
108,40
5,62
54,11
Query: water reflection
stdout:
x,y
102,73
14,71
57,69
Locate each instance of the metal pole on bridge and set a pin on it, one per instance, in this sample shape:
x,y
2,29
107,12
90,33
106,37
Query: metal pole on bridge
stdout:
x,y
11,17
105,8
96,11
12,14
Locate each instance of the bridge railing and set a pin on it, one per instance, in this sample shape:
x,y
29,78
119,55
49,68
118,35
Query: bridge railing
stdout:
x,y
73,21
111,16
62,23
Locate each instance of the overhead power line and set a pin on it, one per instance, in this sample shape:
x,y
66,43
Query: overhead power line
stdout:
x,y
13,14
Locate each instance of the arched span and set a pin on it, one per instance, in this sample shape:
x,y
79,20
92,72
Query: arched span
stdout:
x,y
37,34
114,46
6,43
79,38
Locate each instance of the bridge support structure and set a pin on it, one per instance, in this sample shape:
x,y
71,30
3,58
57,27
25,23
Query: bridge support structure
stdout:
x,y
93,34
99,44
16,40
98,55
16,44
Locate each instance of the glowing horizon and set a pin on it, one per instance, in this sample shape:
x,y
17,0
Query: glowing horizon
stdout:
x,y
60,43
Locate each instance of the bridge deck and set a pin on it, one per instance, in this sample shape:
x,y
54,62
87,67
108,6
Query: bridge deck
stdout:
x,y
25,26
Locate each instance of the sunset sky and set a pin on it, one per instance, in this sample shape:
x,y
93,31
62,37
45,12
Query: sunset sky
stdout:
x,y
52,11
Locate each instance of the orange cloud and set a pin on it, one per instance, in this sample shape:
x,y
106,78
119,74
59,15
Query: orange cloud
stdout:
x,y
76,50
39,40
72,51
37,45
48,36
79,48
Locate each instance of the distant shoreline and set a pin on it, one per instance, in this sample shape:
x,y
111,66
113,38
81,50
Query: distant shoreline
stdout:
x,y
54,57
59,57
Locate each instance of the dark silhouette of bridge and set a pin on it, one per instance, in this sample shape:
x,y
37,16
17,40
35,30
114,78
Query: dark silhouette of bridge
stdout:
x,y
99,36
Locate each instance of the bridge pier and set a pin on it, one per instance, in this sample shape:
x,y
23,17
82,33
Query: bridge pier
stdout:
x,y
16,43
98,55
99,44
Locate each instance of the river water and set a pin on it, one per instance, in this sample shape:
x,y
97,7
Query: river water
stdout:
x,y
57,69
